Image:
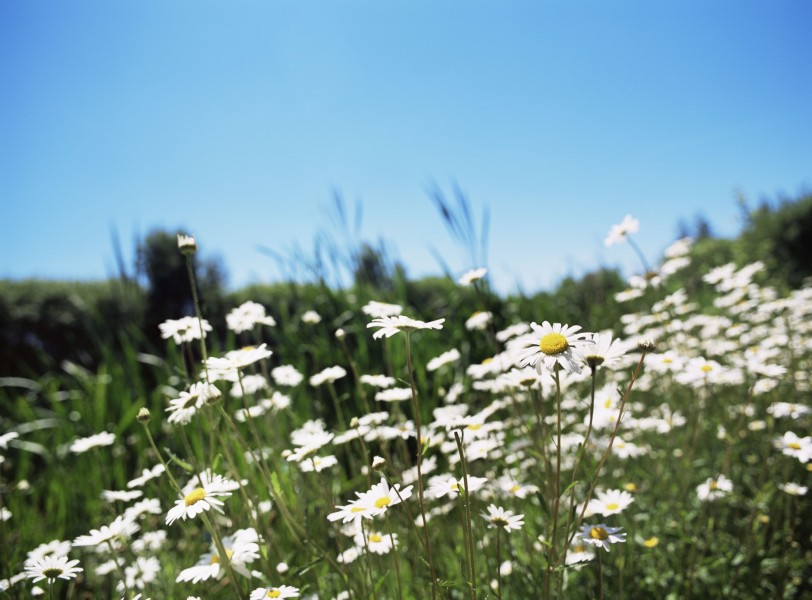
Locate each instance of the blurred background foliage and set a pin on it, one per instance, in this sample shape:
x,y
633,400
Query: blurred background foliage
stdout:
x,y
43,323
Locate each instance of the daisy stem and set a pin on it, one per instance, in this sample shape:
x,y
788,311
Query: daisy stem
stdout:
x,y
639,253
499,563
337,405
552,553
467,524
190,270
118,567
602,461
416,411
161,458
579,458
395,555
221,551
51,589
368,561
600,575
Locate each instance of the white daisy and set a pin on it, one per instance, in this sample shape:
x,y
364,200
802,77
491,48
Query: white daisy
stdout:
x,y
52,568
499,517
601,535
200,499
549,345
390,326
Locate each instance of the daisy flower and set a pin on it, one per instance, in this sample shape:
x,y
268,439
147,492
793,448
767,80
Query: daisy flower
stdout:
x,y
792,445
52,548
242,548
711,488
478,320
381,496
549,345
328,375
499,517
606,351
121,528
311,317
601,535
381,381
282,591
186,329
186,244
471,276
610,502
286,375
381,309
200,499
390,326
246,316
52,568
619,232
84,444
445,358
793,489
182,409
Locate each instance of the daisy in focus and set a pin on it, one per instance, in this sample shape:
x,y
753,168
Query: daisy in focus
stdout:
x,y
550,345
601,535
202,495
282,591
52,567
390,326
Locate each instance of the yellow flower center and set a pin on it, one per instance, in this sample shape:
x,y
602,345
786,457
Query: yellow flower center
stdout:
x,y
52,573
713,485
598,533
553,343
487,361
651,542
216,559
706,368
195,496
612,506
248,348
515,488
274,593
383,501
794,445
357,509
374,537
667,360
474,426
630,487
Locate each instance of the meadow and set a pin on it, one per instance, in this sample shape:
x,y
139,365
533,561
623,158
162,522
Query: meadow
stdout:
x,y
361,443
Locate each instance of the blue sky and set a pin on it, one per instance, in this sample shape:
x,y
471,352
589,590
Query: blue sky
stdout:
x,y
239,120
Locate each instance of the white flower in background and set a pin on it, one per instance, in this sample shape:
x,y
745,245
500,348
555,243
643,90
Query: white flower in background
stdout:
x,y
52,568
7,437
328,375
471,276
311,317
121,528
282,591
246,316
478,321
381,309
187,244
242,548
394,395
147,475
714,488
499,517
792,445
286,375
390,326
185,329
793,489
80,445
610,502
182,409
445,358
381,381
52,548
618,233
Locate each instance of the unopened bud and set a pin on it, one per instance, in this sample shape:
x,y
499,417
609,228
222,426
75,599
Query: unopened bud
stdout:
x,y
378,463
143,415
646,345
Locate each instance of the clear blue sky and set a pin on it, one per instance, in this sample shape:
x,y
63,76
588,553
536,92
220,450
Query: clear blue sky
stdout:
x,y
238,119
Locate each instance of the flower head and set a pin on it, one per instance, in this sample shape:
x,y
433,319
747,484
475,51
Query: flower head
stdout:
x,y
550,345
390,326
246,316
282,591
52,567
713,488
619,232
204,497
499,517
601,535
